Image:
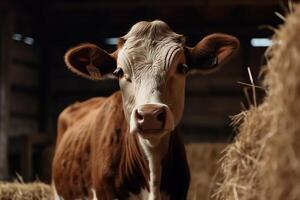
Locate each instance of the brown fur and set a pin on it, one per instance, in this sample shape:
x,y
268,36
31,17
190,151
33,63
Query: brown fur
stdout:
x,y
95,150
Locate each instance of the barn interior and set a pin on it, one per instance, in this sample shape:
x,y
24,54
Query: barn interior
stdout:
x,y
35,85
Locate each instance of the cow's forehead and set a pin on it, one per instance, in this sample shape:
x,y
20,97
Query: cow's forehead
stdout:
x,y
147,54
149,49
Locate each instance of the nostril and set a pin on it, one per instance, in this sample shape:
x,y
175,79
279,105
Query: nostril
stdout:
x,y
161,116
138,116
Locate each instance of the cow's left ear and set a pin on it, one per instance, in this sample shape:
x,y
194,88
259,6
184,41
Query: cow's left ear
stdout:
x,y
211,53
90,61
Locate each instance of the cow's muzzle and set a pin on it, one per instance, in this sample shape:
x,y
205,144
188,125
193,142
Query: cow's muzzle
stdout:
x,y
151,119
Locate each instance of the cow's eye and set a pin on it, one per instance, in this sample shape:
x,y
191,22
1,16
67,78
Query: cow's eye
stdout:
x,y
182,68
118,72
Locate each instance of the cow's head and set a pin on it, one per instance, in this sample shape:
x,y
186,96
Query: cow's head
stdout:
x,y
151,63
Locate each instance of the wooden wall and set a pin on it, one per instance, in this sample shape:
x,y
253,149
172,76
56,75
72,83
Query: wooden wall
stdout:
x,y
20,94
24,79
37,86
25,99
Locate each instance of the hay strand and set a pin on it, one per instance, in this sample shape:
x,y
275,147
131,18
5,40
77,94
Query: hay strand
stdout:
x,y
253,86
280,16
249,85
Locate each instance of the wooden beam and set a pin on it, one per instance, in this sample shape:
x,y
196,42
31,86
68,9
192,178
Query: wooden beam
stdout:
x,y
6,31
86,5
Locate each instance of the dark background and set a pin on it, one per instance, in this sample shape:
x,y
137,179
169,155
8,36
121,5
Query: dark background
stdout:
x,y
36,86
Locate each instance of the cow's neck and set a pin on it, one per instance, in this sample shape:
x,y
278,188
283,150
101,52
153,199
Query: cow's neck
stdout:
x,y
141,165
155,151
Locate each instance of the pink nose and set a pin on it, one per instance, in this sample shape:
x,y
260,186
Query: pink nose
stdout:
x,y
150,117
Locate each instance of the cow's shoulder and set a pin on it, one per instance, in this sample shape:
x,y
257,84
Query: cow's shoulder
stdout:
x,y
80,115
90,131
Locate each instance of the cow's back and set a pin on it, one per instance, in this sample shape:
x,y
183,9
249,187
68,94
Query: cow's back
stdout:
x,y
77,126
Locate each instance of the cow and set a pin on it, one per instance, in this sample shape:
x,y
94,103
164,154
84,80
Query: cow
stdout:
x,y
126,146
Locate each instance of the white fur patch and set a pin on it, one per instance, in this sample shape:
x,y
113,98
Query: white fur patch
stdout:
x,y
55,194
144,195
94,194
154,151
57,197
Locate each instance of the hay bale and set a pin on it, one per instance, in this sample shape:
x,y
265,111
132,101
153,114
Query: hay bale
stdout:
x,y
264,160
22,191
203,162
241,161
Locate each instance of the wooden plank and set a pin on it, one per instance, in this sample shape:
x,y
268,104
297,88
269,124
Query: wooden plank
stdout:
x,y
20,126
24,52
77,84
22,103
6,29
210,114
26,158
203,121
211,134
212,105
88,5
24,89
195,85
24,76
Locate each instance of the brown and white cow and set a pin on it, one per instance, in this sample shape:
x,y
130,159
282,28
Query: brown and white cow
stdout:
x,y
126,146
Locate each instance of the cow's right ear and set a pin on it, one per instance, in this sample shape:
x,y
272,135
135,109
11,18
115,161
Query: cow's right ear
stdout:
x,y
90,61
212,52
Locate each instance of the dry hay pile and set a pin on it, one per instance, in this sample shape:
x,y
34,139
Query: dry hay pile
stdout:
x,y
202,157
264,160
203,162
22,191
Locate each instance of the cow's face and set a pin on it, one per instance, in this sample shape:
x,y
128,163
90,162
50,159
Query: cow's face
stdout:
x,y
151,64
152,71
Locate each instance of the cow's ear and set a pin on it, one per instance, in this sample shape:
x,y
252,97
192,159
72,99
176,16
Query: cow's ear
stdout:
x,y
211,53
90,61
